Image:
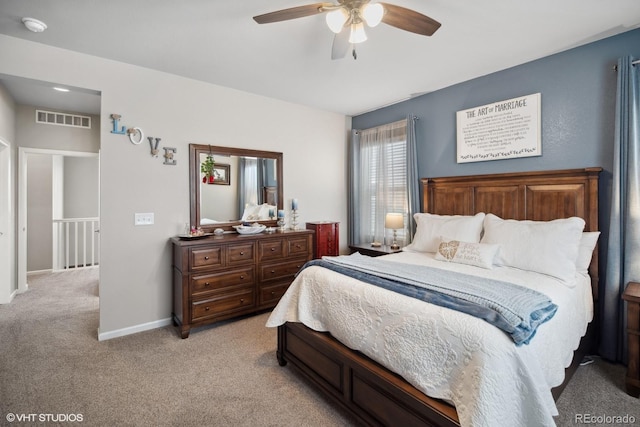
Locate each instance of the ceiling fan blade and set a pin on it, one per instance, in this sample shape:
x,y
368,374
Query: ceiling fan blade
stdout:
x,y
291,13
341,44
409,20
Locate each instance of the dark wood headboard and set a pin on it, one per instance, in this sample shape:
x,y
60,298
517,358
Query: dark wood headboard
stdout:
x,y
537,196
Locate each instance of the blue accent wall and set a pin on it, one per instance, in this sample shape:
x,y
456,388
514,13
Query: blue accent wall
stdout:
x,y
578,91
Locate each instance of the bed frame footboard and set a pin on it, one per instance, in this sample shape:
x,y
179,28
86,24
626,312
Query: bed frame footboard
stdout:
x,y
373,394
367,390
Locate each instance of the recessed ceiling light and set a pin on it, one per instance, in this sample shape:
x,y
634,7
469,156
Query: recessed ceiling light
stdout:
x,y
61,89
34,25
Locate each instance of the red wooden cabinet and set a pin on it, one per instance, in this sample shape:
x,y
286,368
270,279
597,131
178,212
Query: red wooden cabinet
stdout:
x,y
325,240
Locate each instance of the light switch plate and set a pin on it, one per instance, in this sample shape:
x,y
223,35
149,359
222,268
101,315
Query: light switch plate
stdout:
x,y
144,219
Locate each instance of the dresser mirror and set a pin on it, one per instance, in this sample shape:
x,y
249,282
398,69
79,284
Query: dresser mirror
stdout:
x,y
246,185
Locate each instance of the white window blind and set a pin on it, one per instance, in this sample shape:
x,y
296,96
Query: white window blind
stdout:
x,y
383,178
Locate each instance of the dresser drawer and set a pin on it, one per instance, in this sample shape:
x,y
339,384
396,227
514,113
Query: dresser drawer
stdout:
x,y
285,270
222,304
271,249
270,295
299,246
211,282
240,254
209,257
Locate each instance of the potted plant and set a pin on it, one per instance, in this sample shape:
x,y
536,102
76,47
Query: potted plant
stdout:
x,y
206,168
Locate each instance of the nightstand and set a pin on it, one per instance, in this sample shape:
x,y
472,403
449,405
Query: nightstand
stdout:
x,y
367,249
632,296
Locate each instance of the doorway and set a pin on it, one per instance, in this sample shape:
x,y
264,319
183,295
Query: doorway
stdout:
x,y
23,205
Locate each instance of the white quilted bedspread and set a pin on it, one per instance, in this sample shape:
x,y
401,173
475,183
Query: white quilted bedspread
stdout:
x,y
444,353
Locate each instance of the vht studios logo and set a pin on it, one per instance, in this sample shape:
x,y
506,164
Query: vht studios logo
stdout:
x,y
44,418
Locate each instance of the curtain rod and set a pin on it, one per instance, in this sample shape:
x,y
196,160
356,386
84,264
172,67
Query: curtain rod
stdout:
x,y
637,61
413,117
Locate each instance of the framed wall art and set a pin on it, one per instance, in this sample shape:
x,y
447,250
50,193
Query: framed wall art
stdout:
x,y
221,174
501,130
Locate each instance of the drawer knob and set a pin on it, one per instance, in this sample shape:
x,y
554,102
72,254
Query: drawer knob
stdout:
x,y
241,252
272,293
298,246
206,308
206,283
206,258
273,272
273,249
241,300
242,277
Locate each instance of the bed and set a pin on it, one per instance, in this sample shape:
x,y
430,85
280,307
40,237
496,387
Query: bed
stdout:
x,y
453,382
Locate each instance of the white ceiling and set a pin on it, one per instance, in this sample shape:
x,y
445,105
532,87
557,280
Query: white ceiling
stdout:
x,y
218,41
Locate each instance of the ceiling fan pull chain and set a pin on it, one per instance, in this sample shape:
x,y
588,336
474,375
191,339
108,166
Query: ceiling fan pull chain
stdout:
x,y
353,52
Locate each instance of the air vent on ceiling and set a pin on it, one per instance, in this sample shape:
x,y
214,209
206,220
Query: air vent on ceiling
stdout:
x,y
63,119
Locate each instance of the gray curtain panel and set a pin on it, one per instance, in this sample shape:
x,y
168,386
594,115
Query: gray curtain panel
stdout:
x,y
413,180
353,204
623,252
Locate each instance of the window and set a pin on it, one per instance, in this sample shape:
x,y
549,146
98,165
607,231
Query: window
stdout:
x,y
381,173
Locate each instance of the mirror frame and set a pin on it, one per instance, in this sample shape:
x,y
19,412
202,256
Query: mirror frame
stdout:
x,y
195,180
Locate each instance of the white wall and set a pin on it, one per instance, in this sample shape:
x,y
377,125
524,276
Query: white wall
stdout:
x,y
39,212
81,187
135,273
66,138
8,280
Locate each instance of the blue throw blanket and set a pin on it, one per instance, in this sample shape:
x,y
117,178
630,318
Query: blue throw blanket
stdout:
x,y
515,309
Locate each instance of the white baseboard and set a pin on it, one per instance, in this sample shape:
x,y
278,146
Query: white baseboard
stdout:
x,y
103,336
48,270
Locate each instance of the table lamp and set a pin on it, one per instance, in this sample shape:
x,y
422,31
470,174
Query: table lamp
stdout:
x,y
394,221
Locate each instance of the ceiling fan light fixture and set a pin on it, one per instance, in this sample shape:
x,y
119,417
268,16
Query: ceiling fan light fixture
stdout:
x,y
372,13
336,19
357,33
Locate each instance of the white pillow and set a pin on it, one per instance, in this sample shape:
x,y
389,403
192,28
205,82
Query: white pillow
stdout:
x,y
262,212
585,250
430,227
548,247
478,254
251,212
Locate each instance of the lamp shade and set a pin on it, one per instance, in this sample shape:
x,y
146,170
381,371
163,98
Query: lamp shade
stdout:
x,y
357,33
336,19
394,221
373,13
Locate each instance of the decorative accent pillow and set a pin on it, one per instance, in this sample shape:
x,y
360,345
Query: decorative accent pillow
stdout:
x,y
257,212
548,247
251,211
585,250
430,227
478,254
263,211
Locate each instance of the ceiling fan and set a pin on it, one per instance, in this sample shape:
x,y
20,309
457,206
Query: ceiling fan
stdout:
x,y
347,19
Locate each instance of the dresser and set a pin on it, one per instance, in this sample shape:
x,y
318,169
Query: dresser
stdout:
x,y
326,238
221,277
632,296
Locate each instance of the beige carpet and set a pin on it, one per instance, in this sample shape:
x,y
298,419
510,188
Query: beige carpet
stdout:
x,y
223,375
